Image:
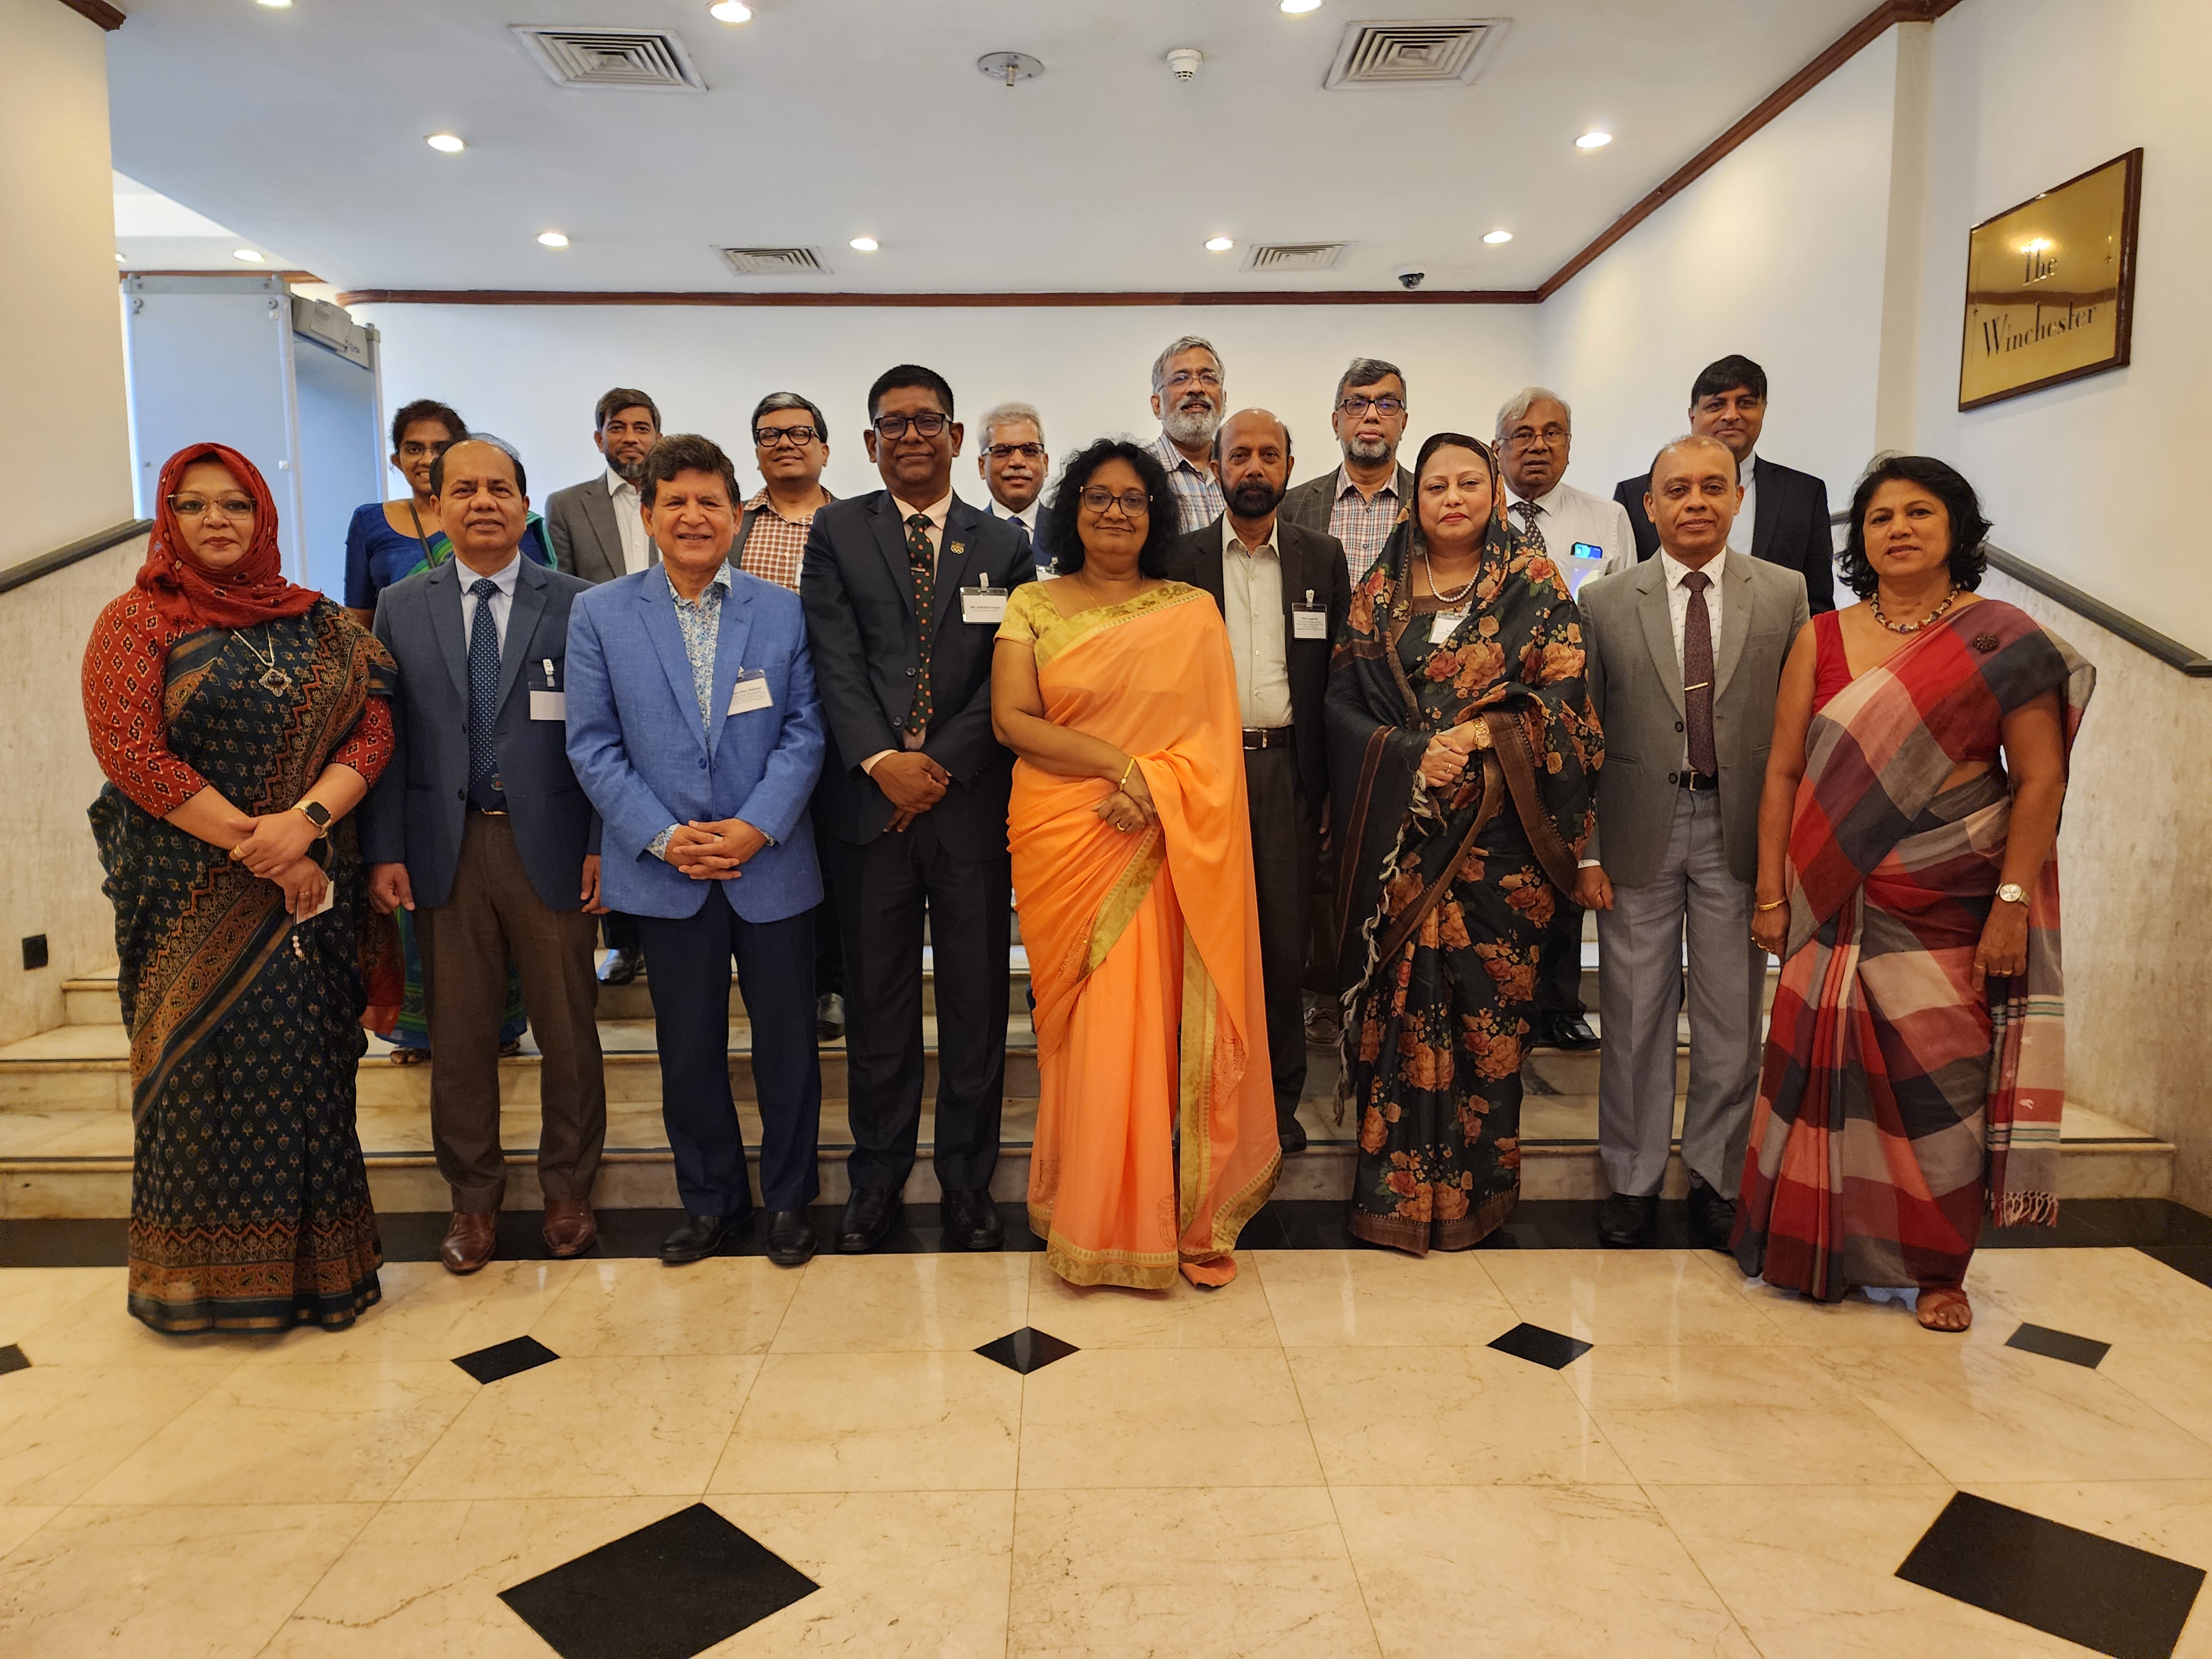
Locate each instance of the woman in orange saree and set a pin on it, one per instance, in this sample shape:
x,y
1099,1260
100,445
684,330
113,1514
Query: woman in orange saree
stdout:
x,y
1156,1136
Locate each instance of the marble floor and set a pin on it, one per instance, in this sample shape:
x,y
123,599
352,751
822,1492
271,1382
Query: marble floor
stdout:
x,y
1513,1451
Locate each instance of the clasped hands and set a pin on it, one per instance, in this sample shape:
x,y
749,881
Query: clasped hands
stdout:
x,y
275,849
714,851
1446,756
1130,807
912,781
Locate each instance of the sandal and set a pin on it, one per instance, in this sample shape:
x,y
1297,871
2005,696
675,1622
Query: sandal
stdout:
x,y
1933,1305
509,1050
410,1056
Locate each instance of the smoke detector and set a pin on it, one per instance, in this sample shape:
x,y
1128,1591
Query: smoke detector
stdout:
x,y
1183,62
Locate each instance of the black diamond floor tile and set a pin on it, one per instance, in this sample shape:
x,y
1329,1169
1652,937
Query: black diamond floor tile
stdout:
x,y
665,1591
1542,1347
12,1358
2059,1345
2110,1597
1027,1350
506,1359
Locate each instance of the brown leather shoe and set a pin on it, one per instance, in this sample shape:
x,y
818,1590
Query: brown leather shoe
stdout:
x,y
571,1228
469,1240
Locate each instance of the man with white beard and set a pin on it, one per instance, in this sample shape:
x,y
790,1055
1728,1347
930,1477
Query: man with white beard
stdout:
x,y
1187,389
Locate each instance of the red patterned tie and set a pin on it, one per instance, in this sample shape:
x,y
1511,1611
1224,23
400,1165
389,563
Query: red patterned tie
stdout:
x,y
1698,674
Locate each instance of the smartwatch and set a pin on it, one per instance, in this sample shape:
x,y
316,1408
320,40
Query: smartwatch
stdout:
x,y
315,813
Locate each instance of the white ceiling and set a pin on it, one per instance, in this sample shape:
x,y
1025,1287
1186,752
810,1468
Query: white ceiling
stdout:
x,y
302,129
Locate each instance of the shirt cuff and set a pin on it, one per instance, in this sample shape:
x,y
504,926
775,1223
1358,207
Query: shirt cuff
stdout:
x,y
868,766
659,845
1586,864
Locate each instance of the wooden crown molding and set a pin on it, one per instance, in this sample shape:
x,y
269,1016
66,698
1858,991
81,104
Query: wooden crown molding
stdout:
x,y
100,12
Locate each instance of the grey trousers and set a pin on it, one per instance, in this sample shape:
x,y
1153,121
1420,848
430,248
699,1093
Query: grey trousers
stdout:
x,y
1640,942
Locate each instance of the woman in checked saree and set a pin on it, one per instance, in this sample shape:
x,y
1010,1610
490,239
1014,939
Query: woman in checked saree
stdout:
x,y
1156,1137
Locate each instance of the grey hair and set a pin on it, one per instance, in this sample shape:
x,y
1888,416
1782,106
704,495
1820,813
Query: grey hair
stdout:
x,y
1184,343
776,400
1526,399
999,414
438,461
1689,440
1366,371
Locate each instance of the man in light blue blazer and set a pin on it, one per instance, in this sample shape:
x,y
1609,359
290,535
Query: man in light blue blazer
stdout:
x,y
694,728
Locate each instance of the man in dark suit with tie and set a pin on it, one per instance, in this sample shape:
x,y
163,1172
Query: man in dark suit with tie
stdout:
x,y
1010,453
478,827
1787,510
1283,590
904,588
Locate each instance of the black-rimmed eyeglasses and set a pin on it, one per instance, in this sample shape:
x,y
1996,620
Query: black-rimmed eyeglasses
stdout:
x,y
1386,407
894,427
1097,499
1007,452
768,437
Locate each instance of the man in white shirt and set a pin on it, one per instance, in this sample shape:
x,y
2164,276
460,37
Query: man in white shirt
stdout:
x,y
1012,460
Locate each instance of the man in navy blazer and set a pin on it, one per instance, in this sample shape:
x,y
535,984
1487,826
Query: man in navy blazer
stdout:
x,y
904,588
478,827
693,723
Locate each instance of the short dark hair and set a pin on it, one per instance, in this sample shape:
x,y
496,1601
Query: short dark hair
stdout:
x,y
1970,531
438,461
1726,374
1056,533
1367,371
776,400
426,408
612,404
907,374
685,452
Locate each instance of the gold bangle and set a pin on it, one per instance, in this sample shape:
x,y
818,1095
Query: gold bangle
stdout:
x,y
1775,905
1123,780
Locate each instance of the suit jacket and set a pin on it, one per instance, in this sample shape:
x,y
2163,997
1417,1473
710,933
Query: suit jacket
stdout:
x,y
586,537
858,591
1792,528
1636,686
416,813
648,762
1312,560
1310,504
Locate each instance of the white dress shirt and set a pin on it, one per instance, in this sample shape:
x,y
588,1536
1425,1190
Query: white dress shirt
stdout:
x,y
1567,515
630,519
1252,605
502,602
1027,517
936,533
1746,515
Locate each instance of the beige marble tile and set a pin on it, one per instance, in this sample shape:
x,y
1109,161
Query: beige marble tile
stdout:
x,y
1448,1416
1730,1413
65,1087
1222,1416
97,1329
1107,1317
294,1434
25,1133
1225,1572
1855,1322
429,1313
29,1296
2110,1296
618,1427
211,1582
19,1521
91,1134
1382,1299
894,1422
1530,1571
1994,1414
1640,1297
1811,1573
905,1303
2173,1378
63,1427
725,1304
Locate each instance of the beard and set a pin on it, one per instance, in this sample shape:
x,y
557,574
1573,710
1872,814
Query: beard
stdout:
x,y
1367,449
629,472
1254,498
1191,427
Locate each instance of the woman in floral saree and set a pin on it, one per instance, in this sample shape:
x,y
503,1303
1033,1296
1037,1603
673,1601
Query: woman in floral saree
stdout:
x,y
1463,756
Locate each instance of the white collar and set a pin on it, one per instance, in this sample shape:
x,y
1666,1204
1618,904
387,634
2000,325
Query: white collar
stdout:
x,y
1026,516
1230,543
616,484
1546,503
935,514
507,575
1673,569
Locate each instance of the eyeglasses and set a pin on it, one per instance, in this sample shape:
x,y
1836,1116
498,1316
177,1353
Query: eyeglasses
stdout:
x,y
194,507
1098,499
1007,452
894,427
1520,437
414,449
1204,377
1386,407
768,437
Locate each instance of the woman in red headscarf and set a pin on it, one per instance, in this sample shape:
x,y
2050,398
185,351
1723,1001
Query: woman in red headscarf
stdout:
x,y
240,719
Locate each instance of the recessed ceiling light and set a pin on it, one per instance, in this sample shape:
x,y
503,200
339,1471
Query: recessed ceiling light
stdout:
x,y
864,245
1593,141
275,5
1298,8
1498,236
247,254
552,239
1218,244
445,143
731,11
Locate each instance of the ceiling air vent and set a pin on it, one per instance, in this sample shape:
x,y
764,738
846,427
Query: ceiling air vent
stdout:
x,y
653,59
1440,52
1295,256
773,261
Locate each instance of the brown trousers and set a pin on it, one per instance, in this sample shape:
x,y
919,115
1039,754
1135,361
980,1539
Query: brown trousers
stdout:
x,y
493,917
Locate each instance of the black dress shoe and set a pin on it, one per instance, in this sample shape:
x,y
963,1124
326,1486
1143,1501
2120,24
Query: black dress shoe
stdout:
x,y
621,967
1712,1217
700,1237
790,1238
1624,1221
1569,1032
971,1221
1290,1134
869,1215
829,1017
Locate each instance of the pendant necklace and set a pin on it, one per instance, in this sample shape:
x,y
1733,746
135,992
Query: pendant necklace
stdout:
x,y
1949,599
272,680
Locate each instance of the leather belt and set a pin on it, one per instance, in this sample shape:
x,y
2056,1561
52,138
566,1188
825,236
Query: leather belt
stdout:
x,y
1269,737
489,812
1697,779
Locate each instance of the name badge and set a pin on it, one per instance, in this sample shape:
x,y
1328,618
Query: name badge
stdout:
x,y
750,692
1309,620
983,604
1443,625
547,700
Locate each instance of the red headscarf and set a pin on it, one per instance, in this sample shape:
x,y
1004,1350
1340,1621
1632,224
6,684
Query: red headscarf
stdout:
x,y
241,595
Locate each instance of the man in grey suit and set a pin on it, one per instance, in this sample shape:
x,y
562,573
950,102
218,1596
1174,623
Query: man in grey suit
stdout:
x,y
479,827
1685,654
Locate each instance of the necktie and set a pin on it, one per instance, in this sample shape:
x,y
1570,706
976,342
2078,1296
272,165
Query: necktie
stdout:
x,y
1698,674
1528,510
483,698
922,565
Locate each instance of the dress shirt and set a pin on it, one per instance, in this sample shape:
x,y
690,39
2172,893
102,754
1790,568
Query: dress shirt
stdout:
x,y
1677,610
700,622
1252,605
1364,523
637,546
1027,517
776,546
1747,516
1197,493
936,534
502,602
1567,515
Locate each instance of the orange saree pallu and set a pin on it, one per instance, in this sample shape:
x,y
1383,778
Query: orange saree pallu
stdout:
x,y
1144,953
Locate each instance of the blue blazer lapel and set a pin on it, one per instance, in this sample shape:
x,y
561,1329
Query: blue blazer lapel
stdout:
x,y
729,654
521,625
891,541
667,637
442,593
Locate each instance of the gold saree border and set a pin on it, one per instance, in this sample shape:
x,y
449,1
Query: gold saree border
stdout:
x,y
1067,632
1125,898
1201,1006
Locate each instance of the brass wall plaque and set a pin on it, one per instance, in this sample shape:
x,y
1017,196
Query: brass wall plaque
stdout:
x,y
2050,286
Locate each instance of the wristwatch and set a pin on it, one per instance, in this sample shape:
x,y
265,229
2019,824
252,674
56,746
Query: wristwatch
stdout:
x,y
315,813
2013,893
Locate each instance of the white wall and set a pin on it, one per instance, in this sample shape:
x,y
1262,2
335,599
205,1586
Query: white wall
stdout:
x,y
532,373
